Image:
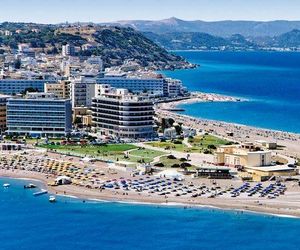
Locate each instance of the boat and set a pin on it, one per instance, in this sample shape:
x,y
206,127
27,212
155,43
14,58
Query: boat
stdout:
x,y
6,185
43,191
30,185
52,199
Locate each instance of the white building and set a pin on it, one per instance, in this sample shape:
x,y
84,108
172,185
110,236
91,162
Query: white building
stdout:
x,y
175,87
155,86
39,114
95,60
82,90
117,113
68,50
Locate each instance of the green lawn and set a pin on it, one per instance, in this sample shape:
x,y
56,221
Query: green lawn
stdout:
x,y
206,141
199,144
168,163
168,145
112,152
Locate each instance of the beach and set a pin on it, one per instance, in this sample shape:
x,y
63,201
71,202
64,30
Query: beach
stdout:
x,y
289,142
197,97
287,204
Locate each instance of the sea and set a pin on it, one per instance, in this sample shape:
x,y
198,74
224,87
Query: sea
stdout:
x,y
270,81
28,222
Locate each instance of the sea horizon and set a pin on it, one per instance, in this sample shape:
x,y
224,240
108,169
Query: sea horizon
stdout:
x,y
269,86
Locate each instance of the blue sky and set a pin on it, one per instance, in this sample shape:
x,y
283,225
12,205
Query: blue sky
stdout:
x,y
54,11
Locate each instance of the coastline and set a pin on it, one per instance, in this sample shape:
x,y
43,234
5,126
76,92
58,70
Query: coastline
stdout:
x,y
239,206
198,97
242,133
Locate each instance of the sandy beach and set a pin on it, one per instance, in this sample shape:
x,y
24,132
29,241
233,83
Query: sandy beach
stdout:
x,y
290,142
287,204
197,97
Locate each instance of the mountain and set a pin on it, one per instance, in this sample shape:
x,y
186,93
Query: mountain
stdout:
x,y
218,28
289,39
204,41
200,41
113,44
186,40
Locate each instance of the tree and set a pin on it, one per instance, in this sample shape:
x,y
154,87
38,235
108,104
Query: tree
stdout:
x,y
17,64
77,120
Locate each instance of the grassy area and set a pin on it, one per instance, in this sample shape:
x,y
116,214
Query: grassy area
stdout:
x,y
113,152
205,143
168,145
168,162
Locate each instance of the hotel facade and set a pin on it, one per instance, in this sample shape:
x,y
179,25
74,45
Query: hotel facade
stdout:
x,y
39,115
244,155
3,100
155,86
119,114
16,86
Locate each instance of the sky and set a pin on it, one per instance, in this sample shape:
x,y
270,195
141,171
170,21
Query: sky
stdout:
x,y
56,11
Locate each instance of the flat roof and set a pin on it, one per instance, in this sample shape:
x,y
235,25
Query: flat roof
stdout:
x,y
213,168
272,168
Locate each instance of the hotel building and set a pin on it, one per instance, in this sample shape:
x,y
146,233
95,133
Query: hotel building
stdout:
x,y
60,89
155,86
3,100
68,50
39,114
244,155
16,86
82,90
117,113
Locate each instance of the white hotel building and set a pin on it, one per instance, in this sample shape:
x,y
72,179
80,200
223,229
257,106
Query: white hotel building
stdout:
x,y
155,86
117,113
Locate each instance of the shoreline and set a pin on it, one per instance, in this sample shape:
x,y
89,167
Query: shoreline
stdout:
x,y
198,97
92,195
242,133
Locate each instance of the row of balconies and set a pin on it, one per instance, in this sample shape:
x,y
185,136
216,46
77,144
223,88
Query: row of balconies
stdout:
x,y
123,124
121,113
125,119
99,108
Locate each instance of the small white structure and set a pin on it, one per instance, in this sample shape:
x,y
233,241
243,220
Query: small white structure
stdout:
x,y
63,180
172,174
186,131
145,168
87,159
170,133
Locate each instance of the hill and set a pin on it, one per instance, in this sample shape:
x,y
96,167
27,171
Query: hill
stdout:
x,y
114,44
218,28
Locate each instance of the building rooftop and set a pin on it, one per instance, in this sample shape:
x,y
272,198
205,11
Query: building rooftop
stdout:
x,y
272,168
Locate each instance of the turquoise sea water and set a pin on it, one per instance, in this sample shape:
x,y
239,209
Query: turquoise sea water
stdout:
x,y
270,80
29,222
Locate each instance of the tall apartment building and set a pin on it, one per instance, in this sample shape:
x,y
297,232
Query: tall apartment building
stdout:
x,y
61,89
117,113
39,114
68,50
82,90
3,100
